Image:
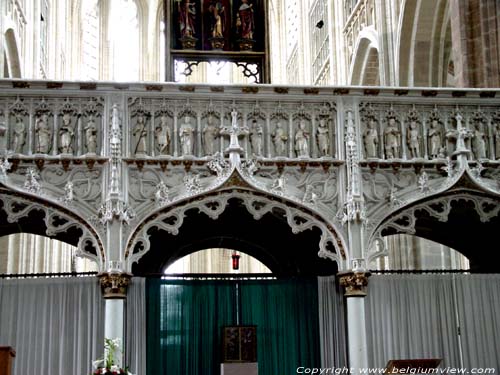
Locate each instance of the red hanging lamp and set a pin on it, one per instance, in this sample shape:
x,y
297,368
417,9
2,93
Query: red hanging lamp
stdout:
x,y
235,260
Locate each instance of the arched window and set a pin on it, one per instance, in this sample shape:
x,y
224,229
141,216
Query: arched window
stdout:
x,y
123,39
90,40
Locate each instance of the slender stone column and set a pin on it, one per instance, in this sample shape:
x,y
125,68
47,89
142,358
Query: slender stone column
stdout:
x,y
114,286
355,283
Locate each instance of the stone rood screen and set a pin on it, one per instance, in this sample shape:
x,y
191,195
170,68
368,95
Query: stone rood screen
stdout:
x,y
323,156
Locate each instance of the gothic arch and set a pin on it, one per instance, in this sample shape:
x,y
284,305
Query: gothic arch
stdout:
x,y
28,213
422,49
298,218
12,54
461,218
366,64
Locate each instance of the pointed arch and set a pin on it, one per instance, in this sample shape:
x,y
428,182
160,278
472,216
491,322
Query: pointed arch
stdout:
x,y
365,67
420,49
12,54
298,218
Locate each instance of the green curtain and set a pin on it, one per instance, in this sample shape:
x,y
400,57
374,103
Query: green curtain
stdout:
x,y
184,326
185,320
286,315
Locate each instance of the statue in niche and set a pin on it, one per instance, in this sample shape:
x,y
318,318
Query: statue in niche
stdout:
x,y
42,135
323,137
256,133
497,140
370,140
186,136
435,140
90,130
66,134
245,20
413,140
162,133
187,18
302,140
217,27
391,139
19,135
140,133
210,134
279,139
478,141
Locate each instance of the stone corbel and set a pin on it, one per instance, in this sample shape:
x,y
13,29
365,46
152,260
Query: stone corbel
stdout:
x,y
354,282
114,285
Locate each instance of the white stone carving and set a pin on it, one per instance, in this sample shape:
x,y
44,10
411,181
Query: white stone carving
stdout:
x,y
161,195
31,183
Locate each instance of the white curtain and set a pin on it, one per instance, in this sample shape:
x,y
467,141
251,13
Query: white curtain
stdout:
x,y
136,326
411,316
478,301
55,325
331,324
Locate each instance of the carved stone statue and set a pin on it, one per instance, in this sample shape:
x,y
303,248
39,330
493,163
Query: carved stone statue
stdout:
x,y
186,136
66,134
162,133
256,133
245,20
391,139
90,130
19,135
210,134
140,133
302,140
435,140
42,135
413,140
323,138
370,140
187,18
280,139
478,141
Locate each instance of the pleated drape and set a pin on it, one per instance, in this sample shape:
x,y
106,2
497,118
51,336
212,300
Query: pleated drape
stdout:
x,y
56,326
332,323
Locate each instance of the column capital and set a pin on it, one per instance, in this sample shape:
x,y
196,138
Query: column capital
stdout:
x,y
355,283
114,284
